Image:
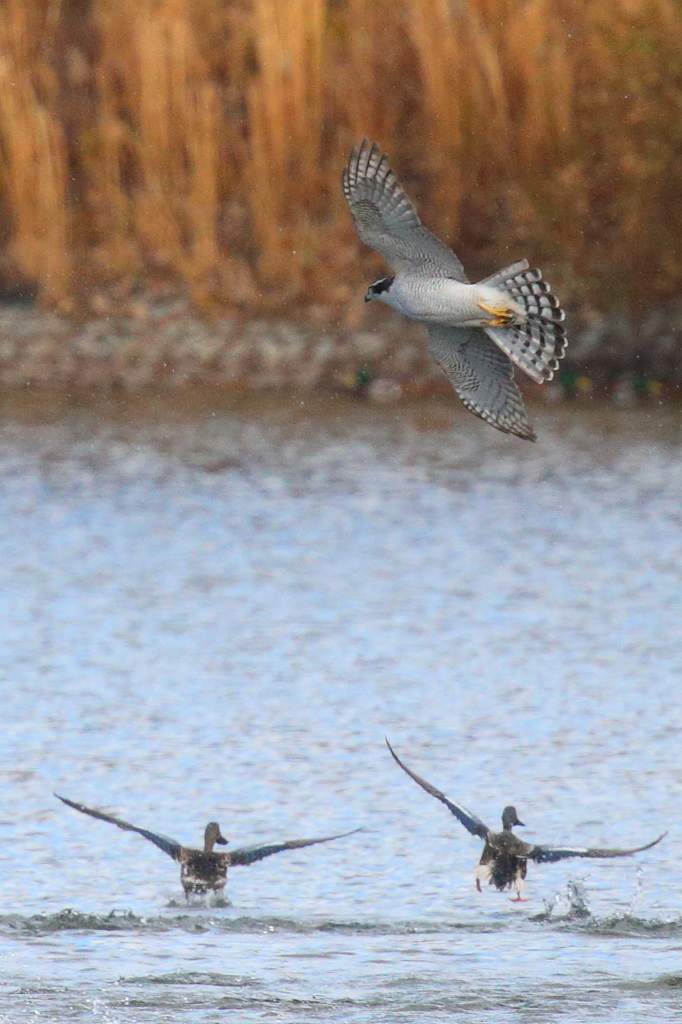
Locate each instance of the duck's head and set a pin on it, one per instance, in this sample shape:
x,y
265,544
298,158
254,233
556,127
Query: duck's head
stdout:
x,y
379,289
213,835
510,818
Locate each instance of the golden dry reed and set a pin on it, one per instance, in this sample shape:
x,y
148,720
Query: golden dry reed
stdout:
x,y
201,144
33,157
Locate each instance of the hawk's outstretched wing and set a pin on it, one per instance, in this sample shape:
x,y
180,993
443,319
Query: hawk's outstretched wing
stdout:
x,y
548,854
249,854
168,846
482,375
469,820
387,221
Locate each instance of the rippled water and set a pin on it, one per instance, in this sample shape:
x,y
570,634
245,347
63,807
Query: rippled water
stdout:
x,y
217,611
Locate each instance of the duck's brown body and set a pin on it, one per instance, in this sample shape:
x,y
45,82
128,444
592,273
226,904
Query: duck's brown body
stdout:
x,y
204,870
201,872
503,863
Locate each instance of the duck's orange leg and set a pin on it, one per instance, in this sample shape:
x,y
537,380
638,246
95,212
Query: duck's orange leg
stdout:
x,y
519,899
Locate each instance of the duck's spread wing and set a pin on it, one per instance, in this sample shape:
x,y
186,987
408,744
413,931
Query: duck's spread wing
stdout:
x,y
482,375
387,221
249,854
168,846
547,854
469,820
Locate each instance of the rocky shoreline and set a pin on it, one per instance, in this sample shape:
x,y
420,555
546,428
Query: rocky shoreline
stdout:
x,y
169,346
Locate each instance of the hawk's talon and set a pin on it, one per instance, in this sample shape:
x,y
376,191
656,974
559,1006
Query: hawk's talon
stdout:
x,y
501,317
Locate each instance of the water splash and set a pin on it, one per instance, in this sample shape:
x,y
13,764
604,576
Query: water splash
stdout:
x,y
579,905
638,894
573,898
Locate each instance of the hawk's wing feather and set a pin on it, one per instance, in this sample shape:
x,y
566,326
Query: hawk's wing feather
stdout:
x,y
482,375
387,221
250,854
168,846
548,854
469,820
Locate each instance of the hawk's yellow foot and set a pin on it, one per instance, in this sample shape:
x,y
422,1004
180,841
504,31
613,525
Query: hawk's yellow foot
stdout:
x,y
501,317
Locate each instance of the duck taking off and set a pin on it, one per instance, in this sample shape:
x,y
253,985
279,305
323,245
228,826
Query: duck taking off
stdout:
x,y
477,332
201,870
505,857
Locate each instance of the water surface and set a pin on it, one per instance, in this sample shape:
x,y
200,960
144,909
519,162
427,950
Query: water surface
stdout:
x,y
217,608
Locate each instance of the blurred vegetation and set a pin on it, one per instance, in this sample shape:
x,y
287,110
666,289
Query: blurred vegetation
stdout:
x,y
200,145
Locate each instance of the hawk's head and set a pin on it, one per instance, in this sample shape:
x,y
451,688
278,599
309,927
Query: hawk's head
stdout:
x,y
379,288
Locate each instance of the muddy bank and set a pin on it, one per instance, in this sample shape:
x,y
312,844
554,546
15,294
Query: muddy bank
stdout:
x,y
167,345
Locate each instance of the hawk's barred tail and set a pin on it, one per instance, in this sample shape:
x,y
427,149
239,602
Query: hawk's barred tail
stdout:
x,y
538,345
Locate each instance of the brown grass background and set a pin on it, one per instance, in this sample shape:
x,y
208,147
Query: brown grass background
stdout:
x,y
199,144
